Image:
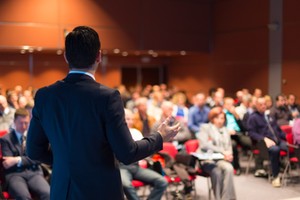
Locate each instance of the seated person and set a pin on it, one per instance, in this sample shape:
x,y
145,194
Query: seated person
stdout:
x,y
264,130
215,137
197,114
280,111
235,126
142,121
183,134
293,106
134,171
22,175
6,114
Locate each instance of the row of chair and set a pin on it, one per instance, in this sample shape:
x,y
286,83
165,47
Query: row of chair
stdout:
x,y
170,149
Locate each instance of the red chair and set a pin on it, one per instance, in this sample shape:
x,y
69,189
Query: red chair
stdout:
x,y
170,149
292,158
190,147
140,185
3,132
2,178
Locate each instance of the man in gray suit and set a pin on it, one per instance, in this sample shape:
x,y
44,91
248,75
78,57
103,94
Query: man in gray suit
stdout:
x,y
83,123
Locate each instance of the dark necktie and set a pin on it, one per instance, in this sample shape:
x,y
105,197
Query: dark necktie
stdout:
x,y
23,143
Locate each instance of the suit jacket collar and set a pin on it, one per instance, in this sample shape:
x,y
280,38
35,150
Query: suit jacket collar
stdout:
x,y
15,141
76,77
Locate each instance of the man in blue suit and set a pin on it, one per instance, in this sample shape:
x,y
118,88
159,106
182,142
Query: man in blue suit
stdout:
x,y
22,175
83,124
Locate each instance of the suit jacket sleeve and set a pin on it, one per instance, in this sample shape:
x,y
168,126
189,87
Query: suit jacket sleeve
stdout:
x,y
119,137
37,142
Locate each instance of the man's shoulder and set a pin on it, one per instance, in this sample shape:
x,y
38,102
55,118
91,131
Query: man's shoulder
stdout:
x,y
60,85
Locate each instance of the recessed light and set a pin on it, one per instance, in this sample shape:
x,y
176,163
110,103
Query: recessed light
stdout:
x,y
183,53
116,51
124,53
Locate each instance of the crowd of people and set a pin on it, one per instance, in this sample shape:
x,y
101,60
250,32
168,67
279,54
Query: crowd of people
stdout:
x,y
222,124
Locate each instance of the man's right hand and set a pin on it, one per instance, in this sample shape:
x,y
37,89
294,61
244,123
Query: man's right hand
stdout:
x,y
168,132
9,161
269,142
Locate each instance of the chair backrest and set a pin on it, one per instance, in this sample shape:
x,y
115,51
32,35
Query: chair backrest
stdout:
x,y
191,145
169,148
3,132
287,129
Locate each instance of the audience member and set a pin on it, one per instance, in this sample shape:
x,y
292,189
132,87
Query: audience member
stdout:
x,y
269,103
263,130
155,102
217,100
198,114
238,98
6,114
237,131
12,99
293,106
22,175
244,106
280,112
142,121
257,92
180,110
167,110
134,171
215,137
132,102
209,99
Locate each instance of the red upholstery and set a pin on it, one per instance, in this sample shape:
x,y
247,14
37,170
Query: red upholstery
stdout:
x,y
137,183
169,148
6,195
191,145
287,129
255,151
3,132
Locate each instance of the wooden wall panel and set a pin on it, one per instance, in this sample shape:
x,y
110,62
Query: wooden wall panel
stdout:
x,y
291,50
134,25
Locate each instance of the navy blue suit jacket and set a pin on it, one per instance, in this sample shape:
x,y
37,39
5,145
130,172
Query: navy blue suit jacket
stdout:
x,y
84,123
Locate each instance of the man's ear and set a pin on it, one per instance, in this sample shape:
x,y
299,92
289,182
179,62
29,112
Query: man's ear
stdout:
x,y
98,58
66,58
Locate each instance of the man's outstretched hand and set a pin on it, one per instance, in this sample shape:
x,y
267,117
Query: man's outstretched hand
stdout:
x,y
168,132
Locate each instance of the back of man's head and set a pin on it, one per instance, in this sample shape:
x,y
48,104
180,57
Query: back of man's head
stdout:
x,y
82,47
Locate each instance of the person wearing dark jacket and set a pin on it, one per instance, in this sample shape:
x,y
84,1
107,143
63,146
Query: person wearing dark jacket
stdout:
x,y
264,130
22,173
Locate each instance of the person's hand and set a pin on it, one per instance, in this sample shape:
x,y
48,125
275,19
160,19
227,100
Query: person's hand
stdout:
x,y
232,132
269,142
10,161
168,132
228,156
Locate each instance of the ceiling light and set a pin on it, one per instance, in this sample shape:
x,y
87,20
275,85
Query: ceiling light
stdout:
x,y
125,53
116,51
183,53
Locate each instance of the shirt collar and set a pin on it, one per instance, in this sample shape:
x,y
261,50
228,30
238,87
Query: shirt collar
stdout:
x,y
19,135
82,72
